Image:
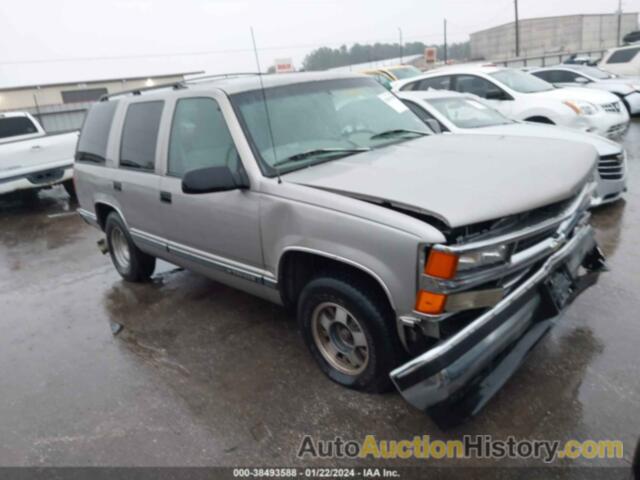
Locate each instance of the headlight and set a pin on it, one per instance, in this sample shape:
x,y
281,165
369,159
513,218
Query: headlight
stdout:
x,y
582,107
442,264
635,86
482,258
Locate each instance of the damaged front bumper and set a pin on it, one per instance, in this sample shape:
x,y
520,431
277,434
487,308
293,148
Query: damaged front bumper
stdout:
x,y
463,372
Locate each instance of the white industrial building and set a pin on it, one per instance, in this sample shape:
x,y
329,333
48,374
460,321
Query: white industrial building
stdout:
x,y
62,106
552,35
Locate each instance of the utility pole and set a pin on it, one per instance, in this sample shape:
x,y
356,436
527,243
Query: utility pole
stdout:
x,y
400,33
445,41
517,30
618,39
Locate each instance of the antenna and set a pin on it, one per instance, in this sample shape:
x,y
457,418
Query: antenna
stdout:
x,y
264,101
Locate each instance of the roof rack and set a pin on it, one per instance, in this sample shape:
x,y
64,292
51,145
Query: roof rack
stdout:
x,y
138,91
218,76
177,85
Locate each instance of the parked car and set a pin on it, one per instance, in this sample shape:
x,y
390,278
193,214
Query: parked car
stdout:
x,y
395,72
622,60
433,261
581,59
452,112
626,88
522,96
31,159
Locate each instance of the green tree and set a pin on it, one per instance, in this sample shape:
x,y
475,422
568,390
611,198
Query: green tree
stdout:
x,y
325,57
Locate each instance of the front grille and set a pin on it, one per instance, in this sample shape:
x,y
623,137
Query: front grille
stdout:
x,y
528,242
613,107
508,224
611,167
617,129
46,176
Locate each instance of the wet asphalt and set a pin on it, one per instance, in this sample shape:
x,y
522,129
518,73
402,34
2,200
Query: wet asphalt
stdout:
x,y
202,374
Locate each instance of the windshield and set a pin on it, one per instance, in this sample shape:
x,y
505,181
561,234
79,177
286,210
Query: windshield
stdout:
x,y
468,113
333,118
521,81
404,72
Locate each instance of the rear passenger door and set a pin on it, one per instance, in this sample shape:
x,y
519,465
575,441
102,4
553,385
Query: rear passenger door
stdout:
x,y
136,180
221,224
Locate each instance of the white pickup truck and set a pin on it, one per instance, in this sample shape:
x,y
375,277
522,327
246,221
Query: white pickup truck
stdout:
x,y
31,159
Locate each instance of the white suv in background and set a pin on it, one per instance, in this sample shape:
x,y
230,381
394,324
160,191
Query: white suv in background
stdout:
x,y
622,61
522,96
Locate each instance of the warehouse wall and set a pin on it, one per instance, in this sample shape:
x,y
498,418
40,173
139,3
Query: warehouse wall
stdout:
x,y
19,99
539,36
47,103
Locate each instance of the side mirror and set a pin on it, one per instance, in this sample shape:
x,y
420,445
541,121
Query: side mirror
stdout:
x,y
433,124
212,179
581,80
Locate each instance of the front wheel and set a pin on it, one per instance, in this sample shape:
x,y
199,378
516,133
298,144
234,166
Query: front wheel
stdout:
x,y
349,332
131,263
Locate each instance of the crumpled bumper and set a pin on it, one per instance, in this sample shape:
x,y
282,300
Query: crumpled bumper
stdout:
x,y
463,372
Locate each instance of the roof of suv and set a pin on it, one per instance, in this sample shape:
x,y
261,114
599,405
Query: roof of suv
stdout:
x,y
248,83
237,83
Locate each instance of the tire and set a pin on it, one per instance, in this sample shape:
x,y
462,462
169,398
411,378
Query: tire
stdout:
x,y
70,189
131,263
375,324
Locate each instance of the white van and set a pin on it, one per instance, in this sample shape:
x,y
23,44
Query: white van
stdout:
x,y
622,61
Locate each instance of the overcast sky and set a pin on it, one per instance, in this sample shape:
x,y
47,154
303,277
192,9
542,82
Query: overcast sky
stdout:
x,y
44,41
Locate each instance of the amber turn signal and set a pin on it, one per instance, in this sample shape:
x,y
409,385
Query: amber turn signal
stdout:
x,y
431,303
441,264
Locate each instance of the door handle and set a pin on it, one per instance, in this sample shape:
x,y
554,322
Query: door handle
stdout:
x,y
36,147
117,186
165,197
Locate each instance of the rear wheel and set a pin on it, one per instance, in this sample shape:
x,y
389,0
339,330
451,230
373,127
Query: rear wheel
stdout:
x,y
350,333
131,263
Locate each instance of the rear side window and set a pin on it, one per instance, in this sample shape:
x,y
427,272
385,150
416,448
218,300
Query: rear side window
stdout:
x,y
15,126
140,135
437,83
623,56
563,76
544,75
92,146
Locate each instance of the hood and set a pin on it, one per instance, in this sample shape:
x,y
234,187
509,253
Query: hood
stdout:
x,y
528,129
579,93
625,83
460,179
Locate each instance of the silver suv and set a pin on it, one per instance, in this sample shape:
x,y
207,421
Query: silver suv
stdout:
x,y
434,262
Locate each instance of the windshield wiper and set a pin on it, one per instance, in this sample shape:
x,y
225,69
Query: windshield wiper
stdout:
x,y
319,152
397,131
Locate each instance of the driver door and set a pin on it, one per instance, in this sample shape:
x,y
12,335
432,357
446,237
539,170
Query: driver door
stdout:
x,y
221,224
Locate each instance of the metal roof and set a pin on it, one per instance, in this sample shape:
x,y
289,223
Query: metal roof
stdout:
x,y
100,80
